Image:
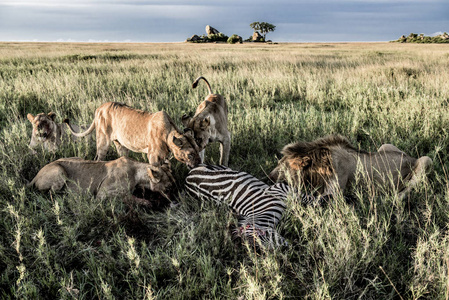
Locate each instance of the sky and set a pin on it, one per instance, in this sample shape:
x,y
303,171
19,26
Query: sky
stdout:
x,y
176,20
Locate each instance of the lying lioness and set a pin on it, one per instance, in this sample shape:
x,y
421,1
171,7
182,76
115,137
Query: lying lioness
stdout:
x,y
330,165
103,179
47,132
210,123
131,129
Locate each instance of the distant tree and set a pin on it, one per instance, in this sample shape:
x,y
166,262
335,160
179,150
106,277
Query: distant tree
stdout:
x,y
262,27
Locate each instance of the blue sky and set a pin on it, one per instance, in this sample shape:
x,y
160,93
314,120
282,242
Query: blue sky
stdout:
x,y
175,20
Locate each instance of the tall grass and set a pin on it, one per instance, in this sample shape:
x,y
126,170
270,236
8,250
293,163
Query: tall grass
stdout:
x,y
375,246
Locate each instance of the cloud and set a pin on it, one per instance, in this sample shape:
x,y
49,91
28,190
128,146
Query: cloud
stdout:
x,y
175,20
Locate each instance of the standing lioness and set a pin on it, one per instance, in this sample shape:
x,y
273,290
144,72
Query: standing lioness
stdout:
x,y
132,129
210,123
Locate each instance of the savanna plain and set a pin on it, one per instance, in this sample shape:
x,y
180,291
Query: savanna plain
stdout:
x,y
370,245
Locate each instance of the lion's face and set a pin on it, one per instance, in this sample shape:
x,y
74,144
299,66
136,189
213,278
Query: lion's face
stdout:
x,y
289,170
185,149
200,128
42,125
161,178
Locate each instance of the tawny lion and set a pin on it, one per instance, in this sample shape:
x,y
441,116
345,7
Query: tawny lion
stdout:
x,y
103,179
210,123
330,165
132,129
47,132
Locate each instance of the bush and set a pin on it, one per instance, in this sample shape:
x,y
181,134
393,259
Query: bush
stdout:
x,y
415,38
235,39
220,37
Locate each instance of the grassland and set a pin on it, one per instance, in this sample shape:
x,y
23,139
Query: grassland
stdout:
x,y
70,246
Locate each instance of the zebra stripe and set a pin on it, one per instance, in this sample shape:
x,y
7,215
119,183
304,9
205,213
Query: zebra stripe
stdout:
x,y
258,205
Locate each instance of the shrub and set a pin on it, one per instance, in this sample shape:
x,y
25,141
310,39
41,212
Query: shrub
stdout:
x,y
421,38
234,39
220,37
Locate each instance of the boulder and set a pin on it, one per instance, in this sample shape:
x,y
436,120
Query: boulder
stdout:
x,y
194,38
211,30
257,37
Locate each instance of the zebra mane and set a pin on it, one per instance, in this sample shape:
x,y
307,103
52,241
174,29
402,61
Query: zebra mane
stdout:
x,y
279,189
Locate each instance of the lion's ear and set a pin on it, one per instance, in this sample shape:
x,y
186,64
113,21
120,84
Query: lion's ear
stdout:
x,y
205,123
177,142
51,115
154,174
30,118
298,164
185,119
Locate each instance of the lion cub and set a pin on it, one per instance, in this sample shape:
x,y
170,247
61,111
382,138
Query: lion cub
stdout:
x,y
103,179
132,129
210,123
47,132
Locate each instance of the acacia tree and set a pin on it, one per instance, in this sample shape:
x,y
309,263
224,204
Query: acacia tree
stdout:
x,y
262,27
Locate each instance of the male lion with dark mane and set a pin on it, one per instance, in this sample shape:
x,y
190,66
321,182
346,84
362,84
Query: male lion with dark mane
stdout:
x,y
132,129
331,164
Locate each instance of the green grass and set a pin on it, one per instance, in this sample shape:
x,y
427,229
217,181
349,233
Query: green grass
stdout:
x,y
373,247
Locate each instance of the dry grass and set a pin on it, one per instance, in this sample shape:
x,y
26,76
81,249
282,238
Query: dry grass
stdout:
x,y
376,247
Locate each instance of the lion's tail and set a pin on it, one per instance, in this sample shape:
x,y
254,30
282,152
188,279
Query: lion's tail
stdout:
x,y
81,134
195,83
30,184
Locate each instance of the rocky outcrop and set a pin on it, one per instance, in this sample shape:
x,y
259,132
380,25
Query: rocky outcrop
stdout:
x,y
257,37
194,38
421,38
211,30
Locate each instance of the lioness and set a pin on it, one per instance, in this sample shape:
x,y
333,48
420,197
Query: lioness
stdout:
x,y
103,179
210,123
47,132
132,129
330,164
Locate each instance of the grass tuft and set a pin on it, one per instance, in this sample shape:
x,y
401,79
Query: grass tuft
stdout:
x,y
372,246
